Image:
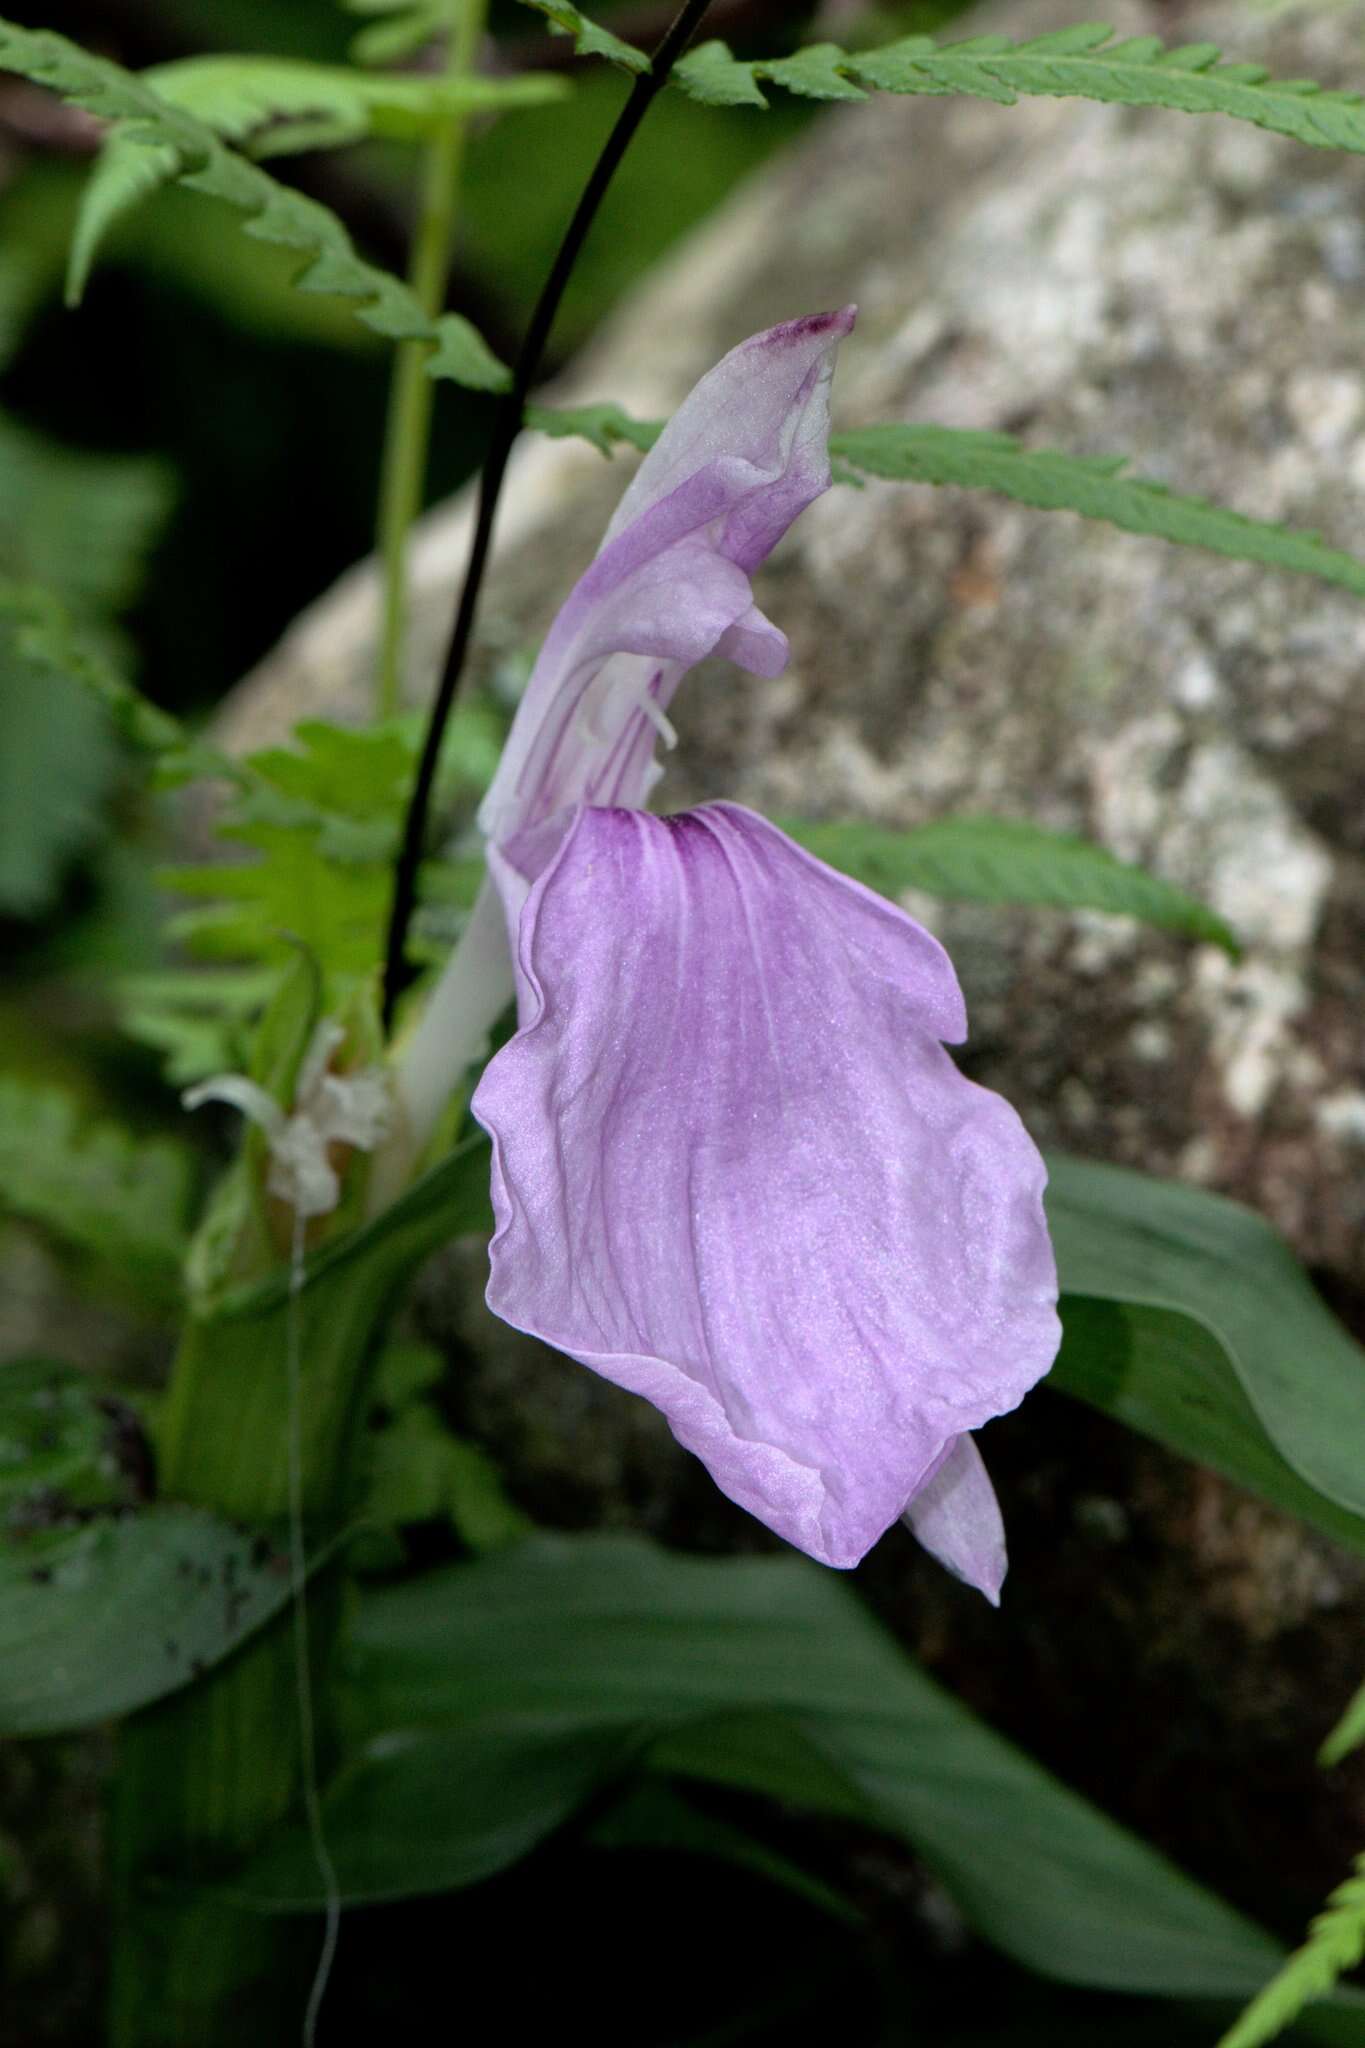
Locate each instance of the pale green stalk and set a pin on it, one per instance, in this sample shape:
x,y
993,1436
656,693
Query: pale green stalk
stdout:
x,y
407,436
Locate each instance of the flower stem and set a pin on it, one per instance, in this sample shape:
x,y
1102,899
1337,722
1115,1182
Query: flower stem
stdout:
x,y
407,435
506,426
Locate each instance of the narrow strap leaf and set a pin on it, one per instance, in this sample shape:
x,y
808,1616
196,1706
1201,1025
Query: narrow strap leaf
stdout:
x,y
276,212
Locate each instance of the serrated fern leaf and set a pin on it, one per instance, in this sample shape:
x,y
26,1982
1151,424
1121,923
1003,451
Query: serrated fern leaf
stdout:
x,y
1348,1735
1082,62
590,40
92,1184
321,820
276,213
1007,860
1093,485
1335,1944
271,106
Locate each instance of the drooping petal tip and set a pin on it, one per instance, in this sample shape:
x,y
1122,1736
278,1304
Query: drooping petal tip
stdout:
x,y
956,1516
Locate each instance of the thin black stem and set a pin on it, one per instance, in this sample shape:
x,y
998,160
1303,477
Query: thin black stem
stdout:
x,y
506,425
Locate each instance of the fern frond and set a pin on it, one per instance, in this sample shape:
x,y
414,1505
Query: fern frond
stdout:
x,y
272,106
1008,861
92,1184
1335,1944
1081,62
277,214
589,39
1093,485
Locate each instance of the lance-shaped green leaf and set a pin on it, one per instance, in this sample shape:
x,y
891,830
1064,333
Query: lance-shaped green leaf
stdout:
x,y
1093,485
1155,1245
276,213
1168,1376
272,106
1081,62
1007,860
102,1618
610,1633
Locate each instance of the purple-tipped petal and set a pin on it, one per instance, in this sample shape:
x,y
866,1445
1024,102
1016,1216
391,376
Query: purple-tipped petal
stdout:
x,y
742,456
736,1172
956,1516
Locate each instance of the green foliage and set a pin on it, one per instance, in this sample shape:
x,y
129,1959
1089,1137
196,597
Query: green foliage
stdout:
x,y
57,766
1007,860
401,27
276,213
603,425
420,1471
99,1619
59,1444
49,640
1348,1735
1335,1944
1155,1245
92,1184
1081,62
81,525
201,1020
322,819
1170,1377
589,39
973,459
1092,485
765,1673
655,1816
272,106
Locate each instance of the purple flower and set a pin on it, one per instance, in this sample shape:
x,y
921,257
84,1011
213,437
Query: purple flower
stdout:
x,y
734,1169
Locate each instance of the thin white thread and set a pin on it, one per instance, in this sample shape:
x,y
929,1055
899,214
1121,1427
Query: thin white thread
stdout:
x,y
303,1663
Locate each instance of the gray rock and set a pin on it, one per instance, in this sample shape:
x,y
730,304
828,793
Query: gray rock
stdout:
x,y
1190,293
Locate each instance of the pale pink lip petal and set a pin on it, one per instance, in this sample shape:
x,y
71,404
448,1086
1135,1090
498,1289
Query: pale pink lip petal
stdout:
x,y
957,1518
735,1170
